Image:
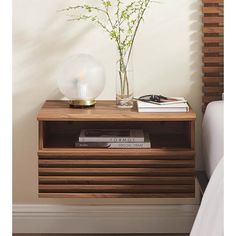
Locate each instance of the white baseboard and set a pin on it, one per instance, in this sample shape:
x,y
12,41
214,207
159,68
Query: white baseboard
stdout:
x,y
103,219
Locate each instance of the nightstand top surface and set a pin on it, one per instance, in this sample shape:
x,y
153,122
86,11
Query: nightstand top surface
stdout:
x,y
58,110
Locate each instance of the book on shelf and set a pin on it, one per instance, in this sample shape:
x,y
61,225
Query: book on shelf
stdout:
x,y
145,144
171,107
111,135
171,100
162,100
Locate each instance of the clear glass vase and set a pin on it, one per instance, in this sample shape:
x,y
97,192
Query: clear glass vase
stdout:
x,y
124,81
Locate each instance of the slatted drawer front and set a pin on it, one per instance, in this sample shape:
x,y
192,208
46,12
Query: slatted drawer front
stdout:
x,y
71,176
213,50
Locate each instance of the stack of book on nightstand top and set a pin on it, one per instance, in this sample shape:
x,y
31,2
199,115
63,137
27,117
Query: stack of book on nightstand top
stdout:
x,y
113,138
173,105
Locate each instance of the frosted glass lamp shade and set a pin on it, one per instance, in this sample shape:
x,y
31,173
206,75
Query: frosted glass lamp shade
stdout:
x,y
81,79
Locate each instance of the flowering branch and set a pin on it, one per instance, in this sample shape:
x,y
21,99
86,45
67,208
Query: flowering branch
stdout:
x,y
121,25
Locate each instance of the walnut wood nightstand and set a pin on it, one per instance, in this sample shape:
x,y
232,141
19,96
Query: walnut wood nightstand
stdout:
x,y
167,170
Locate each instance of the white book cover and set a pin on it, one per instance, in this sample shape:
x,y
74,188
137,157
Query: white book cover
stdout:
x,y
111,135
172,107
145,144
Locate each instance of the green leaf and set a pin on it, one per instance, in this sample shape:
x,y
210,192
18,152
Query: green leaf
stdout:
x,y
88,8
107,4
128,16
124,15
113,34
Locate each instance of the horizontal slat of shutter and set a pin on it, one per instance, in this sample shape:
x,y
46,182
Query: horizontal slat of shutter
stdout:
x,y
213,69
209,29
213,20
219,59
213,89
216,39
208,99
212,1
213,50
218,80
219,49
212,10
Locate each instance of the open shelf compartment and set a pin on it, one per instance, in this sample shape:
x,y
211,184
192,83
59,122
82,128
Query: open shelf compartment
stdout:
x,y
163,134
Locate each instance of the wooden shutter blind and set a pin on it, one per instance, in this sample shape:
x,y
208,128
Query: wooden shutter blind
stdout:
x,y
213,50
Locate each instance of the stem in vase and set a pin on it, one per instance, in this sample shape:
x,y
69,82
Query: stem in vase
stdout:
x,y
123,76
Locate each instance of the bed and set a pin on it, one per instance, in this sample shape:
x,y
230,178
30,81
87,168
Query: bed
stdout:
x,y
209,220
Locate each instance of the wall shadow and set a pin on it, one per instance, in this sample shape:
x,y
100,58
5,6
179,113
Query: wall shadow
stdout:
x,y
195,66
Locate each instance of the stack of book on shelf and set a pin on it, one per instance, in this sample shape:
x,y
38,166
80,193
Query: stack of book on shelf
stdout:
x,y
113,138
170,105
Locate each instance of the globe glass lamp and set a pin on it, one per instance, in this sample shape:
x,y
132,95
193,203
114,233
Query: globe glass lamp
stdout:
x,y
81,79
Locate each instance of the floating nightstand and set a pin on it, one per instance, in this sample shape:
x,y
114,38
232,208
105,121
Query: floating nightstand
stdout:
x,y
167,170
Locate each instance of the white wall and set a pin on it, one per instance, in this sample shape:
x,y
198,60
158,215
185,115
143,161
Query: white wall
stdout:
x,y
167,60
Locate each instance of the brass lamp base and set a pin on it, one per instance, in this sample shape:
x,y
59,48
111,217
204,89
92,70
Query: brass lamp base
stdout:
x,y
82,103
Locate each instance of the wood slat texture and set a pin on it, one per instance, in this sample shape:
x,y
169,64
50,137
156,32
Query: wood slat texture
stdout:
x,y
167,170
131,178
78,234
116,195
213,20
209,29
174,179
116,188
213,69
213,90
215,80
208,49
213,1
213,51
116,180
213,10
154,153
118,171
218,60
214,39
207,98
116,163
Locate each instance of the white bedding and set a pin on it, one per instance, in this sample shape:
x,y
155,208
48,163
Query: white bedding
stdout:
x,y
213,135
210,220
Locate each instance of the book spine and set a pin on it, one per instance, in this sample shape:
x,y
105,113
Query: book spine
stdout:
x,y
129,145
112,139
163,110
112,145
91,145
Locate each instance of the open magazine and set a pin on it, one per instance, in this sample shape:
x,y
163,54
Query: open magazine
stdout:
x,y
161,100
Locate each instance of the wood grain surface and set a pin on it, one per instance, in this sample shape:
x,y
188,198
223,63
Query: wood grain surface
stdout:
x,y
104,111
213,51
166,170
